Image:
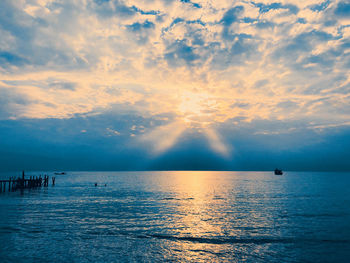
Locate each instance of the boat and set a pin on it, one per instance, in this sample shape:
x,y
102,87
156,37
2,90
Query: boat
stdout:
x,y
278,172
59,173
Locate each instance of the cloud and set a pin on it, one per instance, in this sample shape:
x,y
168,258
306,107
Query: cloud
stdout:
x,y
11,103
108,8
231,64
7,58
196,5
320,7
342,9
142,30
62,85
61,144
264,8
179,53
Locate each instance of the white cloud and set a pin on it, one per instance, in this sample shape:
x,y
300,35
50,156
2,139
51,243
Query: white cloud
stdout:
x,y
174,48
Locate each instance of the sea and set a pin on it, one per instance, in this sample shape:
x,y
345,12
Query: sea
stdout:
x,y
178,216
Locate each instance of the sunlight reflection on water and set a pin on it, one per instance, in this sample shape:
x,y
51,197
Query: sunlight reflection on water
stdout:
x,y
179,216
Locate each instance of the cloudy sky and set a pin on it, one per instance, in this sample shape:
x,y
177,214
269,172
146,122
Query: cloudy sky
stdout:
x,y
174,84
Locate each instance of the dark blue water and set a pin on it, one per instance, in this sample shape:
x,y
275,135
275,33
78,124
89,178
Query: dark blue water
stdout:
x,y
179,217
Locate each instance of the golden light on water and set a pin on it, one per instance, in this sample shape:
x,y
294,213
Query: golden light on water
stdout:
x,y
198,198
195,190
149,85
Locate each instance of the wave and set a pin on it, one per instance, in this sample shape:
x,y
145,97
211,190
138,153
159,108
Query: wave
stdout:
x,y
224,239
177,199
235,240
220,240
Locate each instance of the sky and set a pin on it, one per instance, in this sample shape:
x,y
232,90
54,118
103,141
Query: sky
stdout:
x,y
174,85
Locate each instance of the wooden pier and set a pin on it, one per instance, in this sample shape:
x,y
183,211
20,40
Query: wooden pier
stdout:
x,y
13,184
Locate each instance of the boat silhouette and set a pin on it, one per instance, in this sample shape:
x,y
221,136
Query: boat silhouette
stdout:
x,y
278,172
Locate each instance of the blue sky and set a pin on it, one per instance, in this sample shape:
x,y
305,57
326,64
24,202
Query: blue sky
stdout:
x,y
174,84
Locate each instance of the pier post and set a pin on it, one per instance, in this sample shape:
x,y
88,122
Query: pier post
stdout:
x,y
22,183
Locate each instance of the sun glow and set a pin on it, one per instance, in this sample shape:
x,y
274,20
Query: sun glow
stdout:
x,y
201,68
196,109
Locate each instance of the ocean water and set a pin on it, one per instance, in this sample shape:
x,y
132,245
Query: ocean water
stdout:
x,y
179,217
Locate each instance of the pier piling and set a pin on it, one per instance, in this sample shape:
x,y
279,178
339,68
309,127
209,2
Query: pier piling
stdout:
x,y
23,183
